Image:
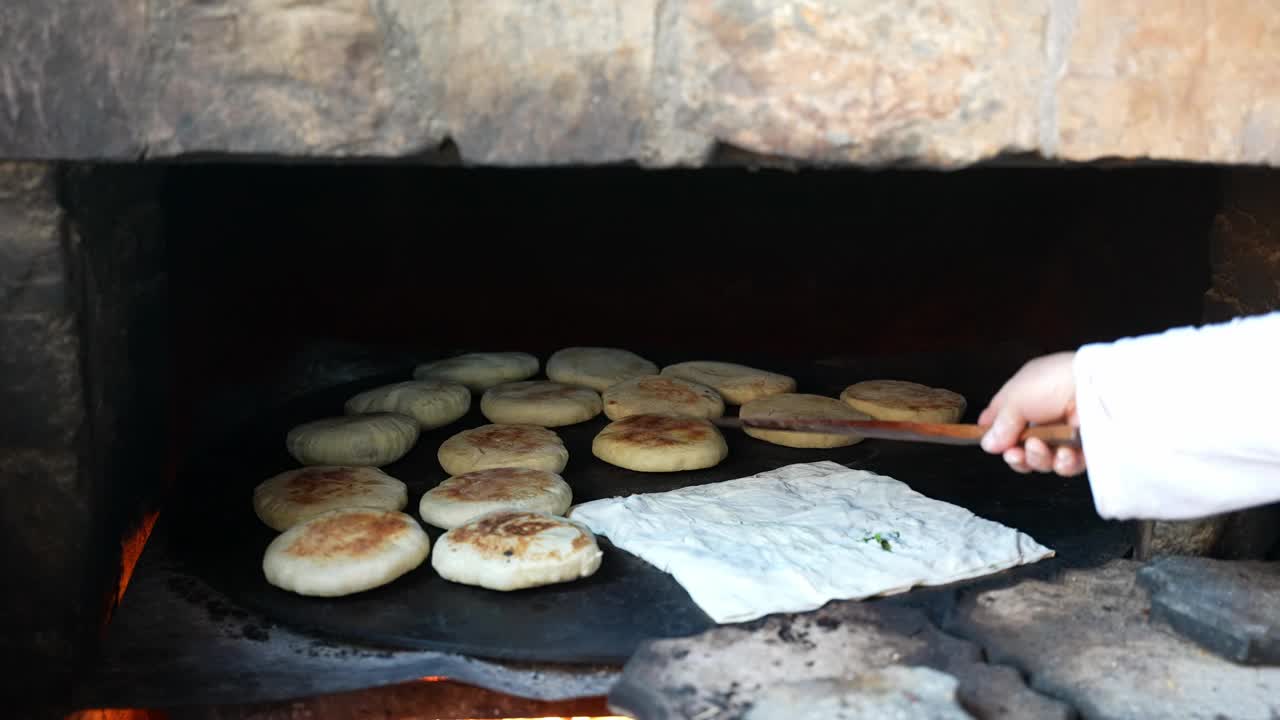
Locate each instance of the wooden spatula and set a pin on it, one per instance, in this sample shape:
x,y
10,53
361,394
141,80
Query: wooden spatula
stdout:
x,y
942,433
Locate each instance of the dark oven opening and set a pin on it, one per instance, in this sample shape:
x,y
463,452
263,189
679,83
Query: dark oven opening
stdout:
x,y
226,302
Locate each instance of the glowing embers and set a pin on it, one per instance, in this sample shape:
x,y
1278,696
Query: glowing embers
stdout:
x,y
117,714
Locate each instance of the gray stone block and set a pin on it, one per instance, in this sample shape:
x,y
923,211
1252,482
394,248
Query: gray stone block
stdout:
x,y
1087,638
892,693
1229,608
724,672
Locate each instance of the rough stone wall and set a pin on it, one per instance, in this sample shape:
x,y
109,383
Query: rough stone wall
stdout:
x,y
43,500
939,83
1245,247
82,434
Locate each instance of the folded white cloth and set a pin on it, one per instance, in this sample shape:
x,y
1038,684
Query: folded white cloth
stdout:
x,y
792,539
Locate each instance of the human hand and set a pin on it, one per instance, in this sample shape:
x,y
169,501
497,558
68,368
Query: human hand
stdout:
x,y
1043,391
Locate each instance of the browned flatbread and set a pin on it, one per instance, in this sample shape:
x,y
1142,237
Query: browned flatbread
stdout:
x,y
662,395
508,550
660,443
494,446
904,401
800,406
353,534
495,484
286,499
345,551
737,384
510,533
464,497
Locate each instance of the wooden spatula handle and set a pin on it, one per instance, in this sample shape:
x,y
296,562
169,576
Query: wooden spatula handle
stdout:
x,y
1053,435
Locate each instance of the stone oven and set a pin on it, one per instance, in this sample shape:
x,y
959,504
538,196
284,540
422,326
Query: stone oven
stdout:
x,y
213,211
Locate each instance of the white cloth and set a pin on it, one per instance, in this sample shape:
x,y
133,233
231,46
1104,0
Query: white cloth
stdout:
x,y
1182,424
792,539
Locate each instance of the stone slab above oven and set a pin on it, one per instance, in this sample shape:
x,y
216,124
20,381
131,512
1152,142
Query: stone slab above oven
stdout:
x,y
934,84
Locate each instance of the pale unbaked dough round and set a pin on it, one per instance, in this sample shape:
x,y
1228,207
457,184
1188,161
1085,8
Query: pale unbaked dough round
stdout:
x,y
480,371
538,402
345,551
495,446
598,368
737,384
661,395
470,495
508,550
433,403
904,401
660,443
293,496
372,440
795,406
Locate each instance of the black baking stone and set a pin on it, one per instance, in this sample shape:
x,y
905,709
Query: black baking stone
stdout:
x,y
600,619
604,618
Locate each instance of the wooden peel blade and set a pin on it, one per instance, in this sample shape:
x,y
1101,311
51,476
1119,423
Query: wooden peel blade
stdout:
x,y
940,433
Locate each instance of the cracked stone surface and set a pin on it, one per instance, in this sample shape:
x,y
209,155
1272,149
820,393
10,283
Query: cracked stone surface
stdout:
x,y
1230,608
891,693
939,83
1087,639
726,671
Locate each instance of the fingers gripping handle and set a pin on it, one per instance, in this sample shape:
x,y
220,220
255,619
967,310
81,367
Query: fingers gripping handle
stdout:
x,y
1061,435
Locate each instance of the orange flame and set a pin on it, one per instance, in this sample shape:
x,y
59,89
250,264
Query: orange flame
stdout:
x,y
131,550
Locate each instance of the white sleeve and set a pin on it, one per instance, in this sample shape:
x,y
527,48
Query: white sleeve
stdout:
x,y
1185,423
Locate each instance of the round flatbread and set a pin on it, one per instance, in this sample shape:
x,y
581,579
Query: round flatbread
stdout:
x,y
345,551
904,401
598,368
660,443
794,406
737,384
370,440
538,402
464,497
480,371
495,446
508,550
662,396
433,403
295,496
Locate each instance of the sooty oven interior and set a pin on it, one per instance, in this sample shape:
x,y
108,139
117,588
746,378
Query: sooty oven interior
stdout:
x,y
244,297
